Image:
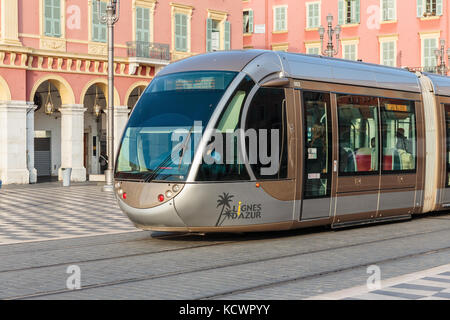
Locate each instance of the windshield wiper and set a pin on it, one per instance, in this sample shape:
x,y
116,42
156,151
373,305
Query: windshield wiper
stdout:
x,y
168,159
185,145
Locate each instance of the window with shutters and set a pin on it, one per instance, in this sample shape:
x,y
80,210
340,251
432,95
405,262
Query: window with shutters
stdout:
x,y
388,53
313,50
312,14
429,45
350,51
280,19
429,8
142,24
218,31
349,11
248,21
143,32
388,10
313,47
181,32
98,28
52,18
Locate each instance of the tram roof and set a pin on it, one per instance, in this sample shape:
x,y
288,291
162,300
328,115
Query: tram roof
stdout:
x,y
302,66
441,84
234,60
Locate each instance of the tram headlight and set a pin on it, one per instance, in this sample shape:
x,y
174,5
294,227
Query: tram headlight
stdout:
x,y
176,188
169,194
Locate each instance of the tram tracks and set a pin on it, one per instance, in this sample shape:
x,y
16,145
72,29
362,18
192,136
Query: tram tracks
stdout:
x,y
233,264
193,247
322,274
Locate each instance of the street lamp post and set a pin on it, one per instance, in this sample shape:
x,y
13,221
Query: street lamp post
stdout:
x,y
330,51
440,55
110,18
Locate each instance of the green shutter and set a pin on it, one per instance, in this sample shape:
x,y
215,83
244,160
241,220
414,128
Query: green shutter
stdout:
x,y
280,19
429,56
284,19
358,9
313,15
184,32
310,16
57,18
52,18
98,28
180,32
48,17
227,35
341,12
439,7
95,27
142,24
420,8
177,32
391,10
317,15
208,35
250,21
139,23
277,19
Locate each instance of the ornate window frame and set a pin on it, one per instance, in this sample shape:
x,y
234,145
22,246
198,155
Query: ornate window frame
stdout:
x,y
182,9
386,39
313,45
424,36
148,4
347,42
222,17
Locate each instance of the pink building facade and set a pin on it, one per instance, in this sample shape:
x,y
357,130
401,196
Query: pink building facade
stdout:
x,y
390,32
53,74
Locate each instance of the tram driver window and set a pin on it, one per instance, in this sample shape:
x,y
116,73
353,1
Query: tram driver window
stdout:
x,y
358,134
398,131
266,117
226,164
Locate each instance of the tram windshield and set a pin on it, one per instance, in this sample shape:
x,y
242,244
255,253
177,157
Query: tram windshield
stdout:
x,y
167,123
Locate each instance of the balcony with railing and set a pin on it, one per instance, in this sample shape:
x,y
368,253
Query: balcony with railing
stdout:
x,y
148,53
423,69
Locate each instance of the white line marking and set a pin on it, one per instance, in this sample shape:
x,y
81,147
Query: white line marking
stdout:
x,y
360,290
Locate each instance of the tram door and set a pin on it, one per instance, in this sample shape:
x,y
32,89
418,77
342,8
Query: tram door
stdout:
x,y
357,161
445,200
317,151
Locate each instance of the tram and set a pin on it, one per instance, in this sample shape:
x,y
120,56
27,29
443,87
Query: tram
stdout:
x,y
255,140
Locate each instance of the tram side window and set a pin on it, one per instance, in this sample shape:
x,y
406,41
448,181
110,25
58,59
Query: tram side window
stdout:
x,y
266,136
222,160
447,120
317,147
398,132
358,134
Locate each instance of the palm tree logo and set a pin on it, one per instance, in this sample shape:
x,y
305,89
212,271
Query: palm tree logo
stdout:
x,y
224,201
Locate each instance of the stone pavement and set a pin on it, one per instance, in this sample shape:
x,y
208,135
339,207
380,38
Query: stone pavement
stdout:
x,y
49,211
430,284
116,262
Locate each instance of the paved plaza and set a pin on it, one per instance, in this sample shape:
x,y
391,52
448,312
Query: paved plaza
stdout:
x,y
49,211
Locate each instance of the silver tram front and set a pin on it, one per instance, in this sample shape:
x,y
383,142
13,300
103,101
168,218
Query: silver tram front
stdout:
x,y
198,140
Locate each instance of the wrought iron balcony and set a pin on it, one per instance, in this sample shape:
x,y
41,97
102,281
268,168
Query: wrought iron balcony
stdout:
x,y
149,52
423,69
